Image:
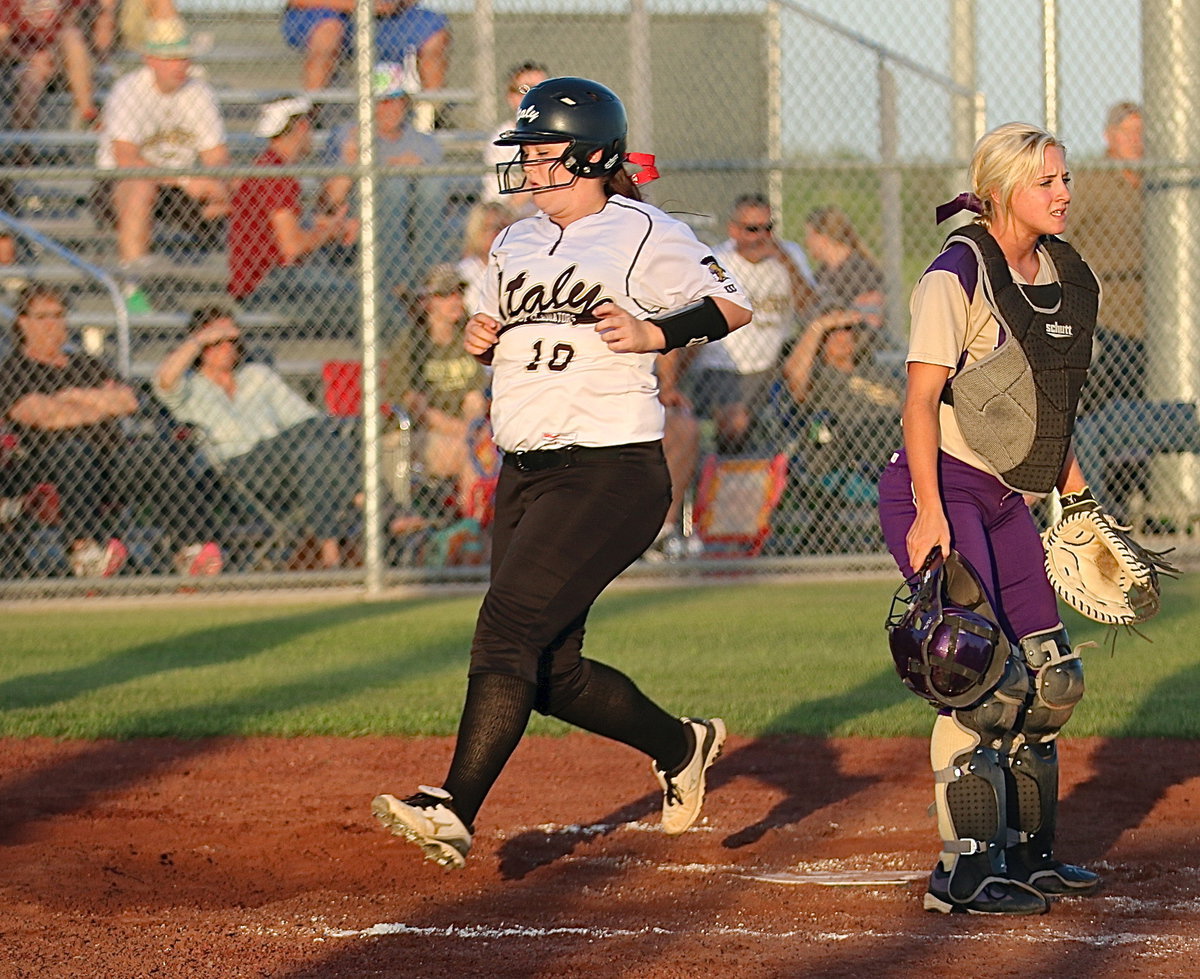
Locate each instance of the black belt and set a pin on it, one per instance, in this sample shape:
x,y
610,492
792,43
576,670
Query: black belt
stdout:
x,y
568,455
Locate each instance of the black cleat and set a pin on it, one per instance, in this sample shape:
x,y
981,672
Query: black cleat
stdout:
x,y
1064,880
994,895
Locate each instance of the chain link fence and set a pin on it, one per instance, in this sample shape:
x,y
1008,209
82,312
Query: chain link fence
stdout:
x,y
187,222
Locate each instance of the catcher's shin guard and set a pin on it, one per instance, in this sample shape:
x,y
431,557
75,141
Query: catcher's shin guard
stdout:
x,y
1057,687
1031,859
970,799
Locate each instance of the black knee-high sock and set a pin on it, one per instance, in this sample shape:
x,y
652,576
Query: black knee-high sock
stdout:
x,y
493,719
611,705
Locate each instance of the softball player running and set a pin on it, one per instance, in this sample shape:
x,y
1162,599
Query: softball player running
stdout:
x,y
578,301
1001,321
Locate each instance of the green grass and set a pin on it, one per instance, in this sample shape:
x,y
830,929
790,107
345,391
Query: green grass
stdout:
x,y
771,658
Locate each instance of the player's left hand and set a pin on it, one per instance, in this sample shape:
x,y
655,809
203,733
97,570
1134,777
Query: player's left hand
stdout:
x,y
625,333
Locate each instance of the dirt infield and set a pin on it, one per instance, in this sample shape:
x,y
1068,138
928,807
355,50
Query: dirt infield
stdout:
x,y
259,857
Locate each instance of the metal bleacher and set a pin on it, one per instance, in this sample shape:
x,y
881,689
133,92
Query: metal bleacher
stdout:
x,y
248,64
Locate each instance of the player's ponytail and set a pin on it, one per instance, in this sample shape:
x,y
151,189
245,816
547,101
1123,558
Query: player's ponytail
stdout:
x,y
621,182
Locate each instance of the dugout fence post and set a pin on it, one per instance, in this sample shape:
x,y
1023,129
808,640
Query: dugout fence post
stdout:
x,y
1171,65
364,47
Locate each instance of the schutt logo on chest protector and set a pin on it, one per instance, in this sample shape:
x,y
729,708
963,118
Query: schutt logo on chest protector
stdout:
x,y
566,300
1060,330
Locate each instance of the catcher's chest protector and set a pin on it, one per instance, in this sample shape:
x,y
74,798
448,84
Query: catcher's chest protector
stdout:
x,y
1016,406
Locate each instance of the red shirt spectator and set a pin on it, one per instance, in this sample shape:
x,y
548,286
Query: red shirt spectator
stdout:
x,y
34,24
253,248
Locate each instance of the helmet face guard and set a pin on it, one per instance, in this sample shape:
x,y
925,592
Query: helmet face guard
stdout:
x,y
583,114
512,175
950,655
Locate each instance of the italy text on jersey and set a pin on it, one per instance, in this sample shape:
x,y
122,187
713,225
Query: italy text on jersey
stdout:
x,y
569,299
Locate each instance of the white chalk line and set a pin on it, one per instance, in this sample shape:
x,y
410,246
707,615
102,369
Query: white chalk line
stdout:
x,y
1145,944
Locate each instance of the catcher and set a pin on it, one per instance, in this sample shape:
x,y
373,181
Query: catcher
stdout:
x,y
1001,337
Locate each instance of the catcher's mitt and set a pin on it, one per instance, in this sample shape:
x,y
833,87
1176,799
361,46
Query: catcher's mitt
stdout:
x,y
1098,569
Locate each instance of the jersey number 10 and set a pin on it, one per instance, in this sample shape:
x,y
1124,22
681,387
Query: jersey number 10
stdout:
x,y
560,356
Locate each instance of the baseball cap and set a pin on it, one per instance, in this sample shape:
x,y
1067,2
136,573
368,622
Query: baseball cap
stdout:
x,y
275,116
169,37
442,280
390,80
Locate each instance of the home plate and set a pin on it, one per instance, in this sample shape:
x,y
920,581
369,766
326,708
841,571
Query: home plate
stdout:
x,y
843,878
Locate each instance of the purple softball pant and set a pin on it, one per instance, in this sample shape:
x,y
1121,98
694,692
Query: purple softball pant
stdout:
x,y
991,527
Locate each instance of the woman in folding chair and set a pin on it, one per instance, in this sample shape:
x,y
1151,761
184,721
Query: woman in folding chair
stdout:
x,y
577,302
260,433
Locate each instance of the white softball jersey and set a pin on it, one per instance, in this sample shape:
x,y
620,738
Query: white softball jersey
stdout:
x,y
555,382
757,345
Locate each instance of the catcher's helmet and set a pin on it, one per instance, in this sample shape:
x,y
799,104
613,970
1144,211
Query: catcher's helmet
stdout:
x,y
584,114
950,655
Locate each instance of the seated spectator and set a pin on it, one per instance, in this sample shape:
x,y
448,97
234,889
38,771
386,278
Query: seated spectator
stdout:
x,y
436,382
99,25
404,31
257,430
136,16
410,211
163,115
39,37
849,280
521,78
484,221
853,407
275,260
67,409
731,381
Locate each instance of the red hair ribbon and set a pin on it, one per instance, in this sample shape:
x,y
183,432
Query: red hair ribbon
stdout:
x,y
646,161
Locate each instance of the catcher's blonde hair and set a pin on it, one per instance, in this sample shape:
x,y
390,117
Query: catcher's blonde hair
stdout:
x,y
1008,157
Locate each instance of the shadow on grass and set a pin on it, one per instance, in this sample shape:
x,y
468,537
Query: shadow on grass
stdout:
x,y
107,766
213,646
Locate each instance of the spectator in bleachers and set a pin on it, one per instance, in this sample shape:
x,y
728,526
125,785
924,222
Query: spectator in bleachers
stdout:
x,y
405,32
40,39
849,280
521,78
852,406
162,115
410,210
276,261
68,410
438,384
257,430
135,17
1107,224
100,28
731,382
485,220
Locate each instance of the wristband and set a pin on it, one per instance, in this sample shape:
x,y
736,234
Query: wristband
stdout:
x,y
1078,502
693,325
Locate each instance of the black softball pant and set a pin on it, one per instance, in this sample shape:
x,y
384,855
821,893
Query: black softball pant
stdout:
x,y
560,536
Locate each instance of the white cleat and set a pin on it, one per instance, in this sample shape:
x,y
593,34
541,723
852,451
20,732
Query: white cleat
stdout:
x,y
427,820
683,794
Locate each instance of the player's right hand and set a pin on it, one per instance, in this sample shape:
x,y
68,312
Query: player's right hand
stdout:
x,y
930,529
481,334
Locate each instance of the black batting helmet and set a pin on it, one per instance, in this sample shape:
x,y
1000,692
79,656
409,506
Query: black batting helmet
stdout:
x,y
584,114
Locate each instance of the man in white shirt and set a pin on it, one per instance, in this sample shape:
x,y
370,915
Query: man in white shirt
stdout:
x,y
164,115
731,381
